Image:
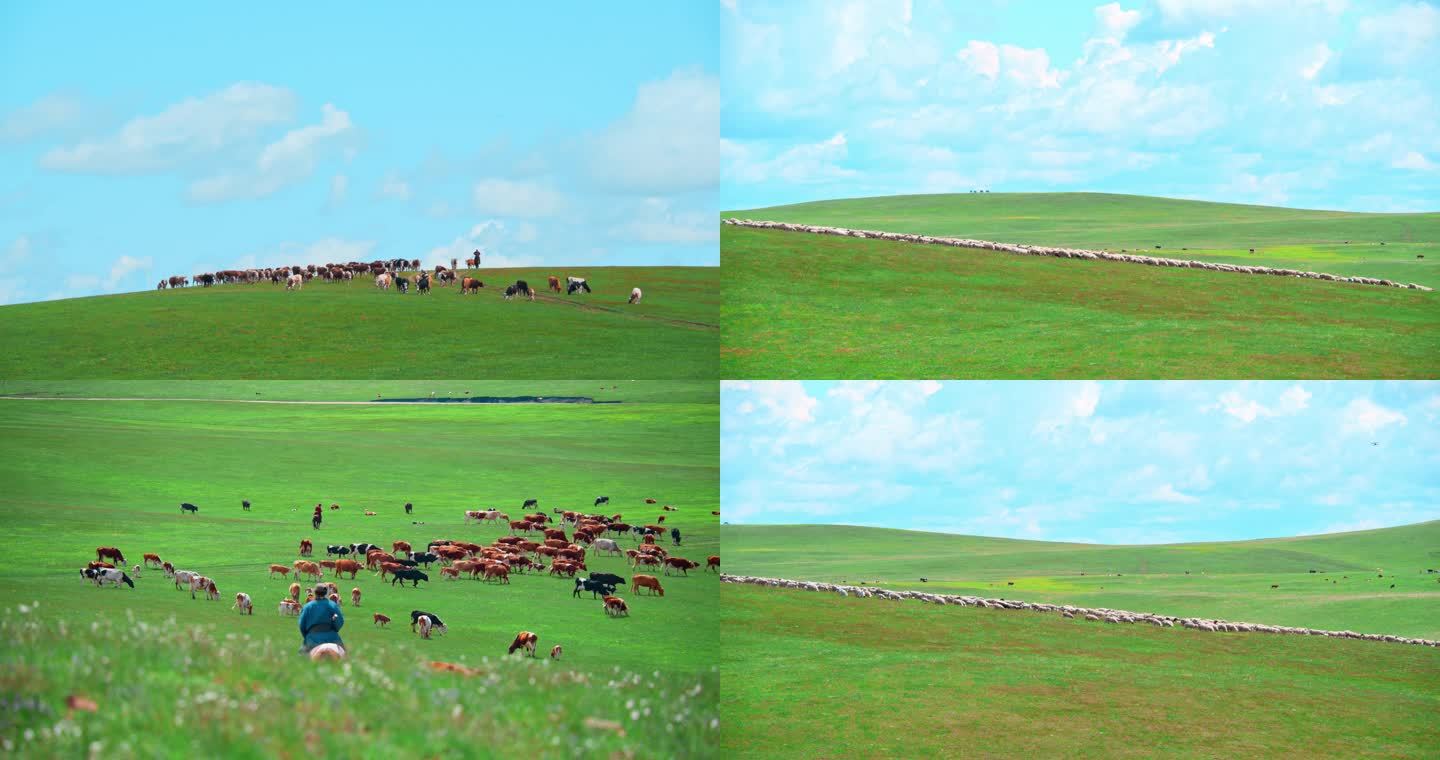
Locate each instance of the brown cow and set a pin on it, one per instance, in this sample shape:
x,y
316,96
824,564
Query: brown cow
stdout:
x,y
524,640
155,558
355,596
615,607
523,526
101,552
347,566
712,561
305,568
554,283
497,571
400,546
381,620
281,569
295,591
389,567
470,285
566,569
306,548
646,581
649,501
681,564
449,572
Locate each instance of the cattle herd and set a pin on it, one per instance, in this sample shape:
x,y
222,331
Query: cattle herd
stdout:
x,y
387,273
558,544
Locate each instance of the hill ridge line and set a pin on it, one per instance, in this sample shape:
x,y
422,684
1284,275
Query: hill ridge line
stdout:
x,y
1064,253
267,401
1095,614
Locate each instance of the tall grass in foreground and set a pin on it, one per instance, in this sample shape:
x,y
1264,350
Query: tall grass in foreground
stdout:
x,y
127,688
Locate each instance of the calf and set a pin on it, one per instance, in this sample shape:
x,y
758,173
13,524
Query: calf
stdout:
x,y
615,607
555,652
152,558
381,620
295,591
524,640
288,607
242,603
355,596
281,569
425,624
635,295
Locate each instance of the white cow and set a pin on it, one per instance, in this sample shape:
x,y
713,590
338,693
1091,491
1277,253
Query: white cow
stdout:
x,y
382,281
185,577
112,575
634,295
606,545
242,603
289,607
424,621
295,282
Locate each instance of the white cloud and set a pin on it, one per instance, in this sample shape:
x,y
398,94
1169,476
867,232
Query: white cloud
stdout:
x,y
47,115
504,197
1402,35
1319,56
288,160
339,187
490,237
394,188
1167,493
666,142
805,163
1413,160
1365,416
324,251
982,57
1078,406
191,128
1182,11
1029,68
656,221
786,401
1115,22
1293,400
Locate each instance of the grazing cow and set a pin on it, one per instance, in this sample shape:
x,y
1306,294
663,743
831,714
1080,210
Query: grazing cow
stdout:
x,y
307,549
530,503
470,285
281,569
245,504
601,500
524,640
422,284
188,507
576,285
168,569
135,570
152,558
295,591
606,546
347,566
183,578
101,552
414,576
409,507
400,546
681,564
242,603
555,652
105,575
713,561
381,620
650,501
436,624
615,607
553,283
425,624
596,588
294,282
634,295
646,581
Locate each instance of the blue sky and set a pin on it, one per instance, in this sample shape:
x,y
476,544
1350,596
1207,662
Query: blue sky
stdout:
x,y
1307,103
141,141
1110,462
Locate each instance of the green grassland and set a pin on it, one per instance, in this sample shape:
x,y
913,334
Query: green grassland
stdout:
x,y
350,330
80,474
799,305
1228,580
814,675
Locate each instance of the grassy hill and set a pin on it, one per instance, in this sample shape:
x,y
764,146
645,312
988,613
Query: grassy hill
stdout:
x,y
80,474
350,330
883,679
1228,580
826,307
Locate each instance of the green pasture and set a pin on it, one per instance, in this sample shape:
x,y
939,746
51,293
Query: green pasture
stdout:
x,y
813,675
1229,580
799,305
350,330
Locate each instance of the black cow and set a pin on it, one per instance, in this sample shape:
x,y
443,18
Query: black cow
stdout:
x,y
410,575
245,504
422,284
675,536
593,586
602,500
530,503
522,287
408,507
406,562
188,507
402,284
608,578
424,558
434,619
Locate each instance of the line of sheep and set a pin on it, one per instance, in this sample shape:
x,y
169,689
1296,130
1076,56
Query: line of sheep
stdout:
x,y
1093,614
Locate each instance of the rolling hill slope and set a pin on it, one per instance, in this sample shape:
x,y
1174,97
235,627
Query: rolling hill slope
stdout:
x,y
1229,580
800,305
349,330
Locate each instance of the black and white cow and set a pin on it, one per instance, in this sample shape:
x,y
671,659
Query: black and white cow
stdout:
x,y
423,558
602,500
435,621
104,575
530,503
575,285
596,588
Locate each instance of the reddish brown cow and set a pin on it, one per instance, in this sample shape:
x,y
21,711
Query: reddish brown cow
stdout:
x,y
523,526
649,501
554,283
712,561
389,567
152,558
281,569
306,548
681,564
524,640
400,546
381,620
347,566
102,552
646,581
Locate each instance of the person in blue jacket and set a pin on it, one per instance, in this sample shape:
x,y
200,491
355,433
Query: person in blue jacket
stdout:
x,y
321,621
